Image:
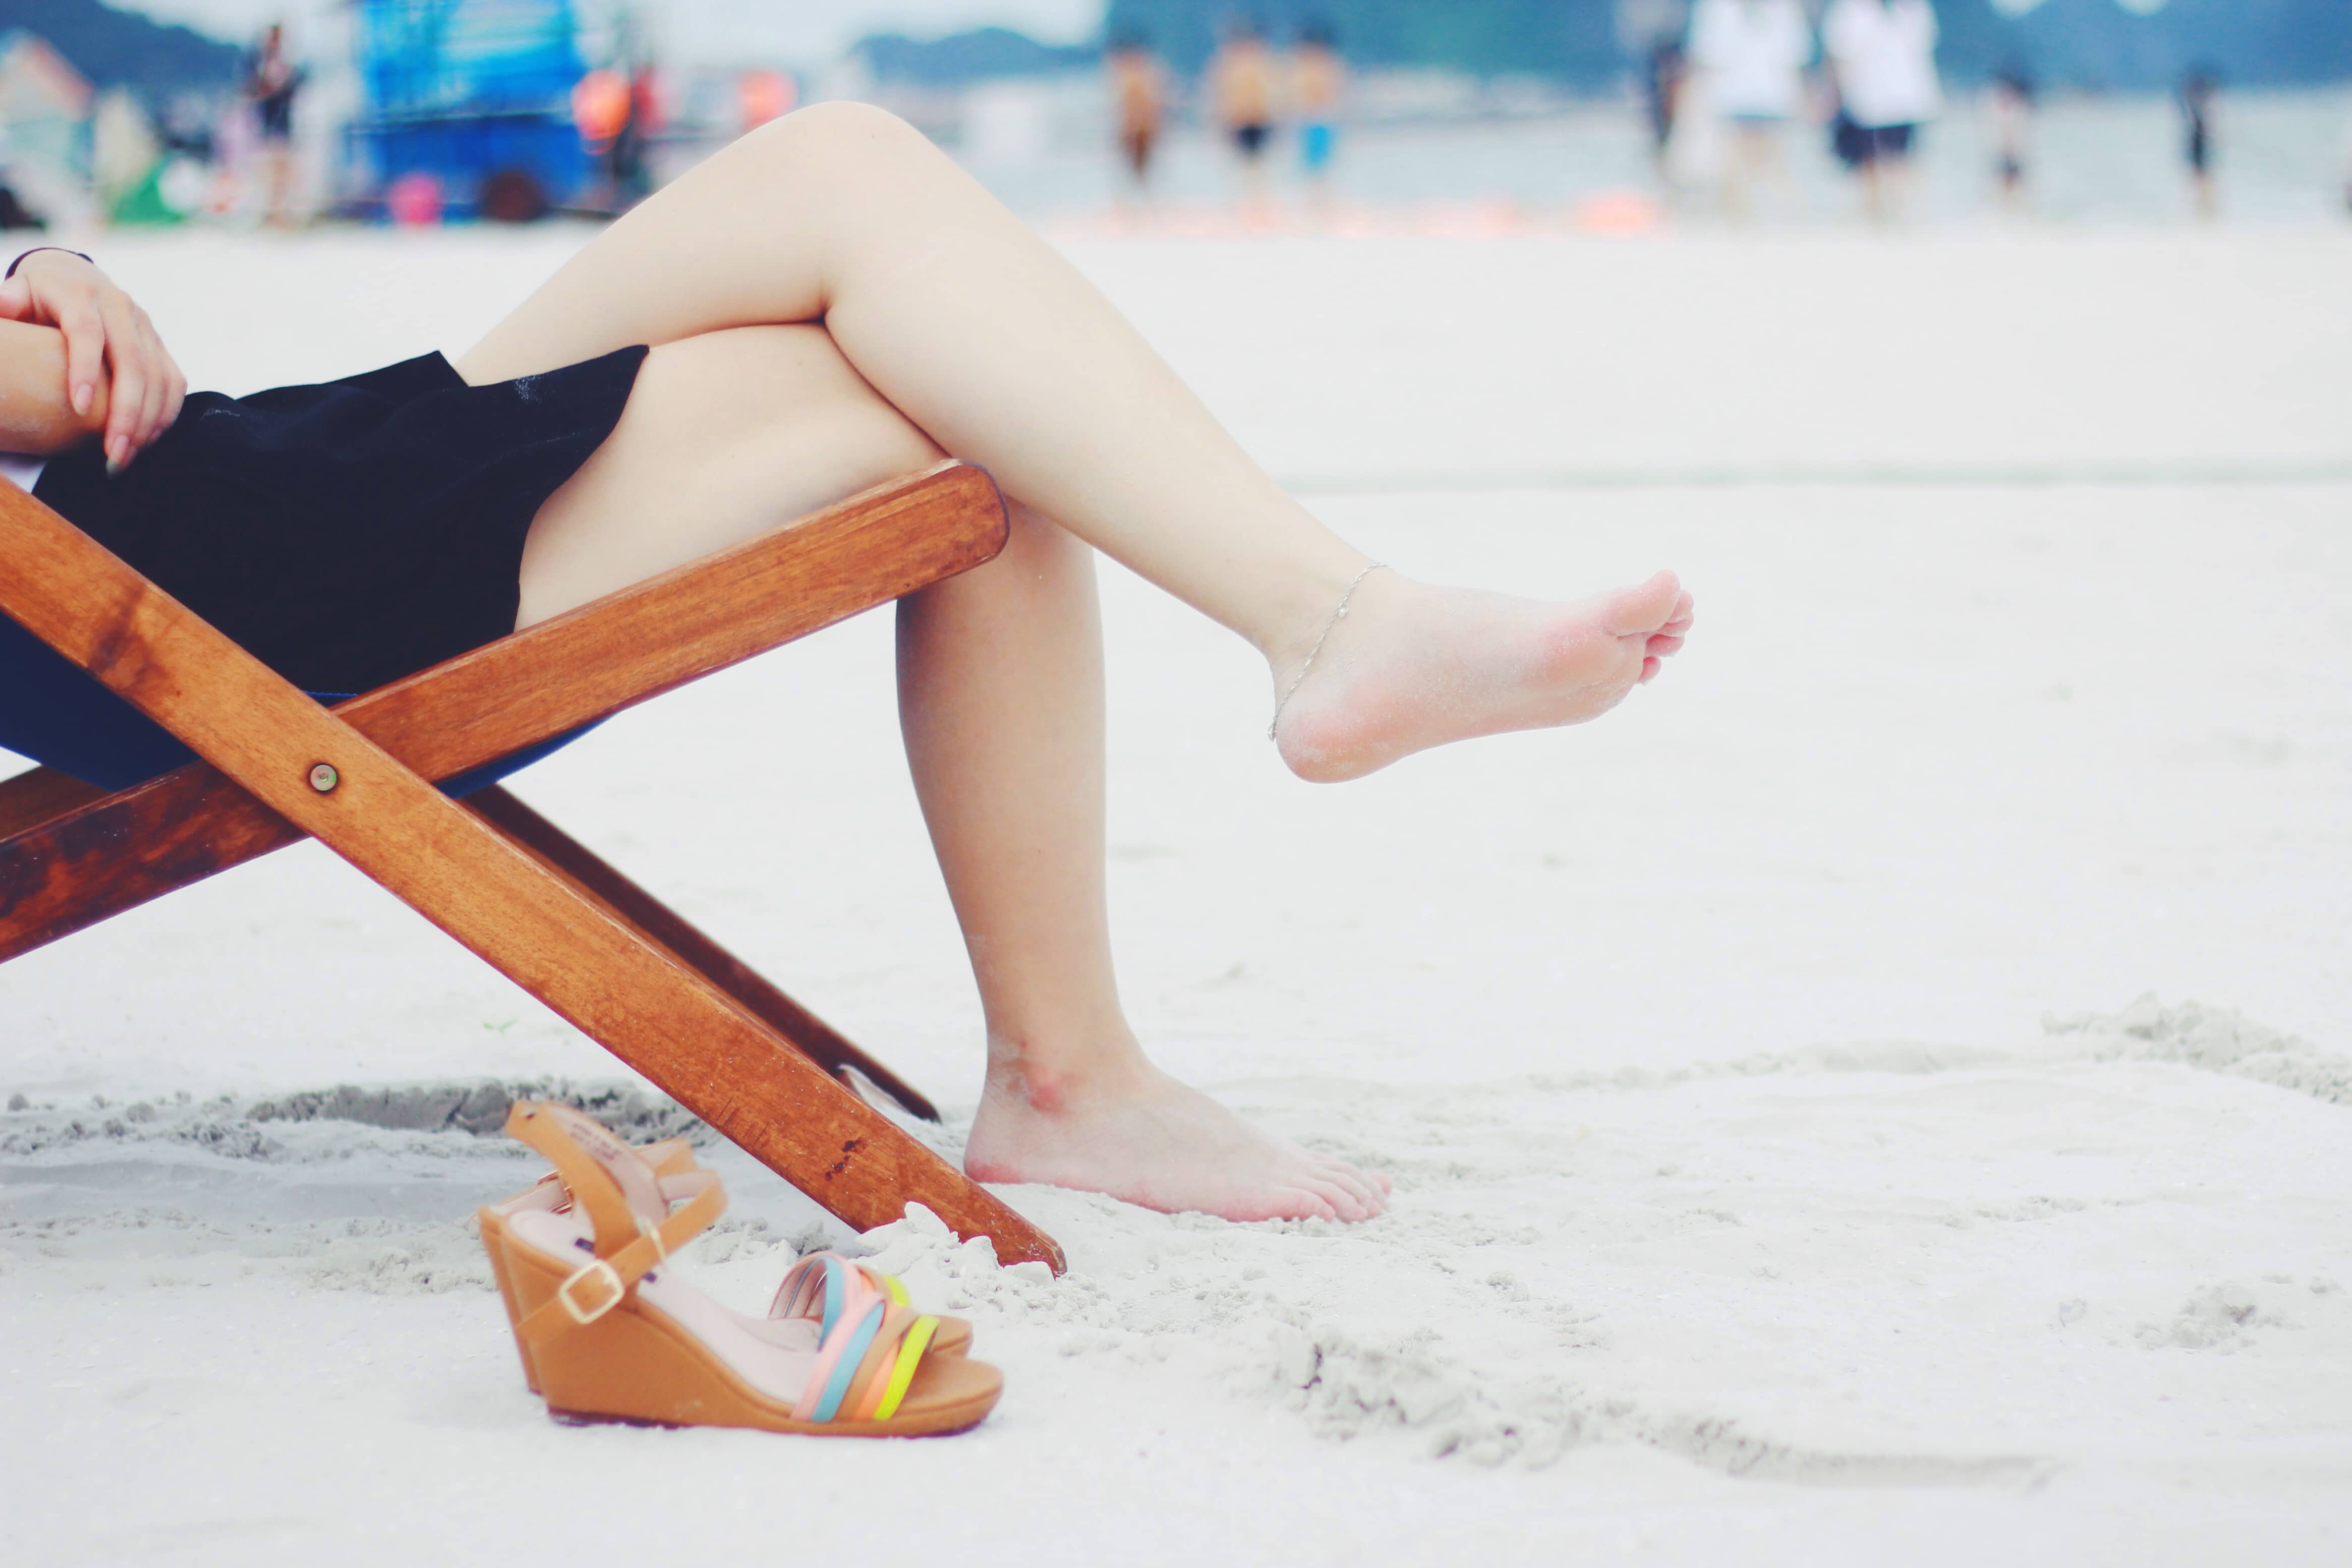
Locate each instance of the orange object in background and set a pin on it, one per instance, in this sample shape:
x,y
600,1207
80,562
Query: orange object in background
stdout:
x,y
1618,212
413,200
764,96
600,107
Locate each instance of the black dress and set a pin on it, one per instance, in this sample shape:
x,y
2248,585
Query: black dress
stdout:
x,y
347,535
352,533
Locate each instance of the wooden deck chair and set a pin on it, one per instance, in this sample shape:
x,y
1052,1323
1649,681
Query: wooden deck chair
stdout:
x,y
275,764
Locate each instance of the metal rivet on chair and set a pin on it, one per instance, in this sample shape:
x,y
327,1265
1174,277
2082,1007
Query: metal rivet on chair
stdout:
x,y
323,778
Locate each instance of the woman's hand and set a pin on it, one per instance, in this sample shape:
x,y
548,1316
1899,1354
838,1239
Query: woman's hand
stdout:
x,y
107,335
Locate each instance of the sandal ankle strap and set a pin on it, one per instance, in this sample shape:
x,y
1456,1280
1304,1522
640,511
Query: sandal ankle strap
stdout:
x,y
627,1245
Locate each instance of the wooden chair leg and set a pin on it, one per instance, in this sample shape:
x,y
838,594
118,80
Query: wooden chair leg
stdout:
x,y
43,795
809,1034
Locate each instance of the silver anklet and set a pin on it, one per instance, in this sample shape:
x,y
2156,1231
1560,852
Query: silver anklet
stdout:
x,y
1337,616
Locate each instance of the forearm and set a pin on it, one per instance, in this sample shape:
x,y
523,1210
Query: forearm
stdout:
x,y
37,414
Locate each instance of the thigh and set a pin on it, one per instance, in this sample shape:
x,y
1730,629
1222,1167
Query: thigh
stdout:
x,y
753,234
726,433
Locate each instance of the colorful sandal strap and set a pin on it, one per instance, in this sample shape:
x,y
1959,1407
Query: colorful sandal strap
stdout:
x,y
837,1360
902,1373
906,1335
818,1287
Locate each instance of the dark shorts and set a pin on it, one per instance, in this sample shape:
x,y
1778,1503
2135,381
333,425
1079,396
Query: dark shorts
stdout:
x,y
1251,139
355,532
1880,142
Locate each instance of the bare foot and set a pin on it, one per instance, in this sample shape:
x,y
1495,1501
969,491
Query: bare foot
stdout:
x,y
1148,1140
1412,666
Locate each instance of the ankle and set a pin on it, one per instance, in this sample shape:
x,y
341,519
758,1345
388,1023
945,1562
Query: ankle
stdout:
x,y
1022,1076
1300,613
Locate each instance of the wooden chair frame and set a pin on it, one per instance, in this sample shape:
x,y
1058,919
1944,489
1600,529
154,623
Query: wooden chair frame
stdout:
x,y
532,903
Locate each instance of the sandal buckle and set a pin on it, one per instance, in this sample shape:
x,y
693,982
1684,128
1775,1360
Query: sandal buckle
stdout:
x,y
615,1292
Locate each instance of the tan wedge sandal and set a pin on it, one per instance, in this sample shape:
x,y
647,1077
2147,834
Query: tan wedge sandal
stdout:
x,y
802,1316
611,1335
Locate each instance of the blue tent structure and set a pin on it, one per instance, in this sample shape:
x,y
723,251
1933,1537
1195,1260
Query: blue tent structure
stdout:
x,y
471,92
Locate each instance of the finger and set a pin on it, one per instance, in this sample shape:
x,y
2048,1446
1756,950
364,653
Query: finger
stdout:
x,y
127,391
1650,668
1663,646
151,349
175,386
85,352
16,299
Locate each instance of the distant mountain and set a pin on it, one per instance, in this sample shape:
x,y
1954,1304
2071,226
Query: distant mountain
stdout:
x,y
2098,43
2064,43
1574,41
968,56
118,48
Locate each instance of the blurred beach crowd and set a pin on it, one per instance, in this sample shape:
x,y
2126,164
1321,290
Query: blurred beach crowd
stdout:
x,y
1198,116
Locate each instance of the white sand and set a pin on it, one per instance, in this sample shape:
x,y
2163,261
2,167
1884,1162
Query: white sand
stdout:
x,y
1748,1211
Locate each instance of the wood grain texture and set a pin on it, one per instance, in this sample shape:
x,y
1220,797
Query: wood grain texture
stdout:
x,y
682,940
42,795
459,872
119,852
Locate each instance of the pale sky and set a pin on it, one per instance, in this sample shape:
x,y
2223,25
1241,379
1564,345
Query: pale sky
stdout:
x,y
795,31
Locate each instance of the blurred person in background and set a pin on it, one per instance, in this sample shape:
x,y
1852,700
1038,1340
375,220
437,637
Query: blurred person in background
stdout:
x,y
1883,53
632,176
2197,90
14,214
2012,133
1139,85
2347,172
1751,57
1651,32
1241,88
271,84
1319,80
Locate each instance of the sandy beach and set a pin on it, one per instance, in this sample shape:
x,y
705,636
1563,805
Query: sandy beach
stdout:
x,y
1879,1096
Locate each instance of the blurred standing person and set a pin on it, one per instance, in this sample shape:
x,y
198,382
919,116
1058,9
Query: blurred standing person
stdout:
x,y
1751,56
1651,31
2012,133
1663,76
631,175
271,83
1318,80
1242,88
2197,90
14,214
1140,86
1883,54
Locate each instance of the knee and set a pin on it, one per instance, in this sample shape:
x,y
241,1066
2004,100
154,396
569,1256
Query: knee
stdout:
x,y
846,133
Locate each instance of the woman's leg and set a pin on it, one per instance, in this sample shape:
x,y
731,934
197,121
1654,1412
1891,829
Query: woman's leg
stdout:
x,y
1001,354
1001,697
1000,679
